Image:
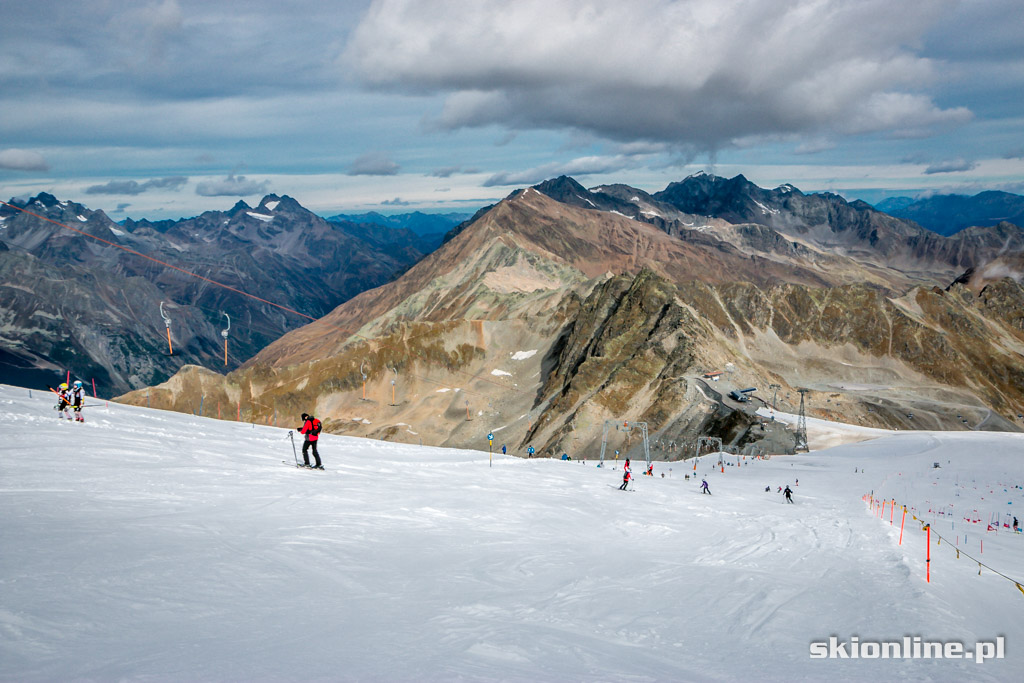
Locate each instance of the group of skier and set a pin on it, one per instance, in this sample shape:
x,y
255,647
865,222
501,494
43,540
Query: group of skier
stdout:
x,y
72,398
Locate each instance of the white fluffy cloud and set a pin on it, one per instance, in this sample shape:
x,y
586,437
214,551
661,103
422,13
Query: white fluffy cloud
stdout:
x,y
699,72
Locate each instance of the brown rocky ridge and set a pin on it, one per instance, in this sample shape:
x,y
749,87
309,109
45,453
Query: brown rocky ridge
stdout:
x,y
541,320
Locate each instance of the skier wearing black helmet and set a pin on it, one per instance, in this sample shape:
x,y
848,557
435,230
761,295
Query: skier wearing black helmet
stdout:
x,y
311,430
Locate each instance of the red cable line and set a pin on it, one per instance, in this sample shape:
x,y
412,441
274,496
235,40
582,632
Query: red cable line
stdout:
x,y
156,260
228,287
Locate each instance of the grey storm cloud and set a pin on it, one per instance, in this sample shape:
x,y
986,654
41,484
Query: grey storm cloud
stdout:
x,y
446,171
232,186
133,187
950,166
373,163
700,72
23,160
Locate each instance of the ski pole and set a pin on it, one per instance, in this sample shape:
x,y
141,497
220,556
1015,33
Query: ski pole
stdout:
x,y
291,437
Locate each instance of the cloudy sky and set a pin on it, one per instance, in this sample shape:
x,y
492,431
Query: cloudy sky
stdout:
x,y
167,108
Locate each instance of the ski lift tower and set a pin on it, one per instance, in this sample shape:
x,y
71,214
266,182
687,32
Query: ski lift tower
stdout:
x,y
801,425
224,333
393,386
775,390
642,426
364,378
167,324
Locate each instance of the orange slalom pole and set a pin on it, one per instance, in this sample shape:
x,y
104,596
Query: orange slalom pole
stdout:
x,y
892,509
928,556
169,347
901,523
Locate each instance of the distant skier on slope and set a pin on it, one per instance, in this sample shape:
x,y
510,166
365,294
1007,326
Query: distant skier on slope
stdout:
x,y
789,494
626,476
704,487
650,470
77,394
1016,527
311,429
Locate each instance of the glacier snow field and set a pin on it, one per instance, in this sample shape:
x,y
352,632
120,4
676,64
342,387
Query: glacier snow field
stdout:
x,y
154,546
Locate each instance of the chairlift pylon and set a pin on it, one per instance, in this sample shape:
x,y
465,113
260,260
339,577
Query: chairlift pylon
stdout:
x,y
167,324
224,333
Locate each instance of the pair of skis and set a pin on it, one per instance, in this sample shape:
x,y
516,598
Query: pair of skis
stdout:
x,y
291,437
302,467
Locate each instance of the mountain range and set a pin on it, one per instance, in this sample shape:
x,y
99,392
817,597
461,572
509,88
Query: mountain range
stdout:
x,y
562,310
80,294
948,214
429,228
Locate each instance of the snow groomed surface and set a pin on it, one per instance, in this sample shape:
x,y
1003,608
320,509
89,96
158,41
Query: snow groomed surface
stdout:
x,y
147,545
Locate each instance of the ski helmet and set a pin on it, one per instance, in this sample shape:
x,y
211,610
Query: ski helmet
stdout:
x,y
78,382
63,385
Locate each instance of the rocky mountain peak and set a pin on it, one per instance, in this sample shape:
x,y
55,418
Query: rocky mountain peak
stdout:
x,y
238,208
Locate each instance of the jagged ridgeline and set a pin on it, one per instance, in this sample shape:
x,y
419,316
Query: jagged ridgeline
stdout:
x,y
561,309
72,302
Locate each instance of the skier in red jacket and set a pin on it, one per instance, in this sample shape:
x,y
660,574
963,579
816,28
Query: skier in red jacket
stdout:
x,y
311,429
626,476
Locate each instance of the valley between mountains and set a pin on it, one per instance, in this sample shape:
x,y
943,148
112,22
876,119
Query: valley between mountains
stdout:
x,y
561,308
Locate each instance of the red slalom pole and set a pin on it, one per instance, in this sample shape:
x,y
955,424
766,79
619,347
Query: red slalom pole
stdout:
x,y
892,509
928,555
901,523
94,387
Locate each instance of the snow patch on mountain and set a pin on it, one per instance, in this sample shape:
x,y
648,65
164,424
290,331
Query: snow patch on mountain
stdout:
x,y
766,209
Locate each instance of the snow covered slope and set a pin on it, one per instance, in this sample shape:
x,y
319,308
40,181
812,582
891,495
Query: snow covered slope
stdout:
x,y
145,545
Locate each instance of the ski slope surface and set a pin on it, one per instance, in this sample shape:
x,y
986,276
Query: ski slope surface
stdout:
x,y
156,546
